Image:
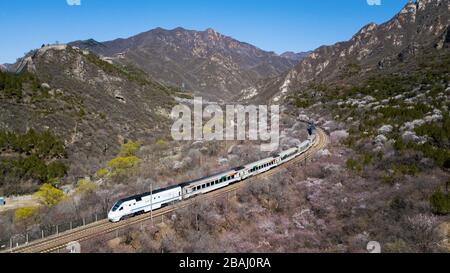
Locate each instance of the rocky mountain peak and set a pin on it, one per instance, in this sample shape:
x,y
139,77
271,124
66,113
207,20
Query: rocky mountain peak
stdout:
x,y
207,62
419,26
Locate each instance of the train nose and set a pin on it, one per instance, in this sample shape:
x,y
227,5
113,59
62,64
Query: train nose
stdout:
x,y
111,215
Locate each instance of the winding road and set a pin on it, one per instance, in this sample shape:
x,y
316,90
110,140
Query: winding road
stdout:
x,y
55,243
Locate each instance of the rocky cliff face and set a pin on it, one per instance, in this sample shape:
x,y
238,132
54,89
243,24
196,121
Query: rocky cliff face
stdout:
x,y
91,105
206,62
420,26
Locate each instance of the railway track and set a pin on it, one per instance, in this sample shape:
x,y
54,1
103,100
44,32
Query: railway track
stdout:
x,y
60,241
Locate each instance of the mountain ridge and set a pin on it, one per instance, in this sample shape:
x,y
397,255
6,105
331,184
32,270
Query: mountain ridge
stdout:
x,y
206,62
295,56
93,106
419,26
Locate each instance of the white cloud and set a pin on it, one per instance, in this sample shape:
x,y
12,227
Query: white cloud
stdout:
x,y
74,2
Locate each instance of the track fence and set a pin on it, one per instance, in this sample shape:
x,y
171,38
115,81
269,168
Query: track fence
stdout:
x,y
42,232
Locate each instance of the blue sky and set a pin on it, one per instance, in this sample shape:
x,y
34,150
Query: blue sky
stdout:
x,y
273,25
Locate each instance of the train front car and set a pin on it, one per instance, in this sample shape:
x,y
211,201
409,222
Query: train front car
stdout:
x,y
144,203
115,214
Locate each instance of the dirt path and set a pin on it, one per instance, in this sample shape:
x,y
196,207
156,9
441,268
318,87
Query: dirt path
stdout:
x,y
13,203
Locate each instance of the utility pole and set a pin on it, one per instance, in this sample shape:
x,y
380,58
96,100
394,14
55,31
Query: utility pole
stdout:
x,y
151,201
196,221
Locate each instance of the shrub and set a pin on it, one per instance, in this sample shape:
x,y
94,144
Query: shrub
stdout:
x,y
447,163
24,213
85,185
440,203
129,149
35,157
101,173
11,84
161,145
123,165
49,196
303,102
56,169
407,169
43,145
354,165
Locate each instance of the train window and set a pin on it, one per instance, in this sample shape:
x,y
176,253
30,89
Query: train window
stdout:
x,y
203,186
208,184
116,206
121,209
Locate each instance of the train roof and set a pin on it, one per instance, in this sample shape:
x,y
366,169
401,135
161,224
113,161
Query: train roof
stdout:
x,y
139,196
207,177
212,176
288,151
260,161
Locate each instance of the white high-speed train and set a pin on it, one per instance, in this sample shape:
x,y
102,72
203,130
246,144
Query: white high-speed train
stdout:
x,y
150,201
